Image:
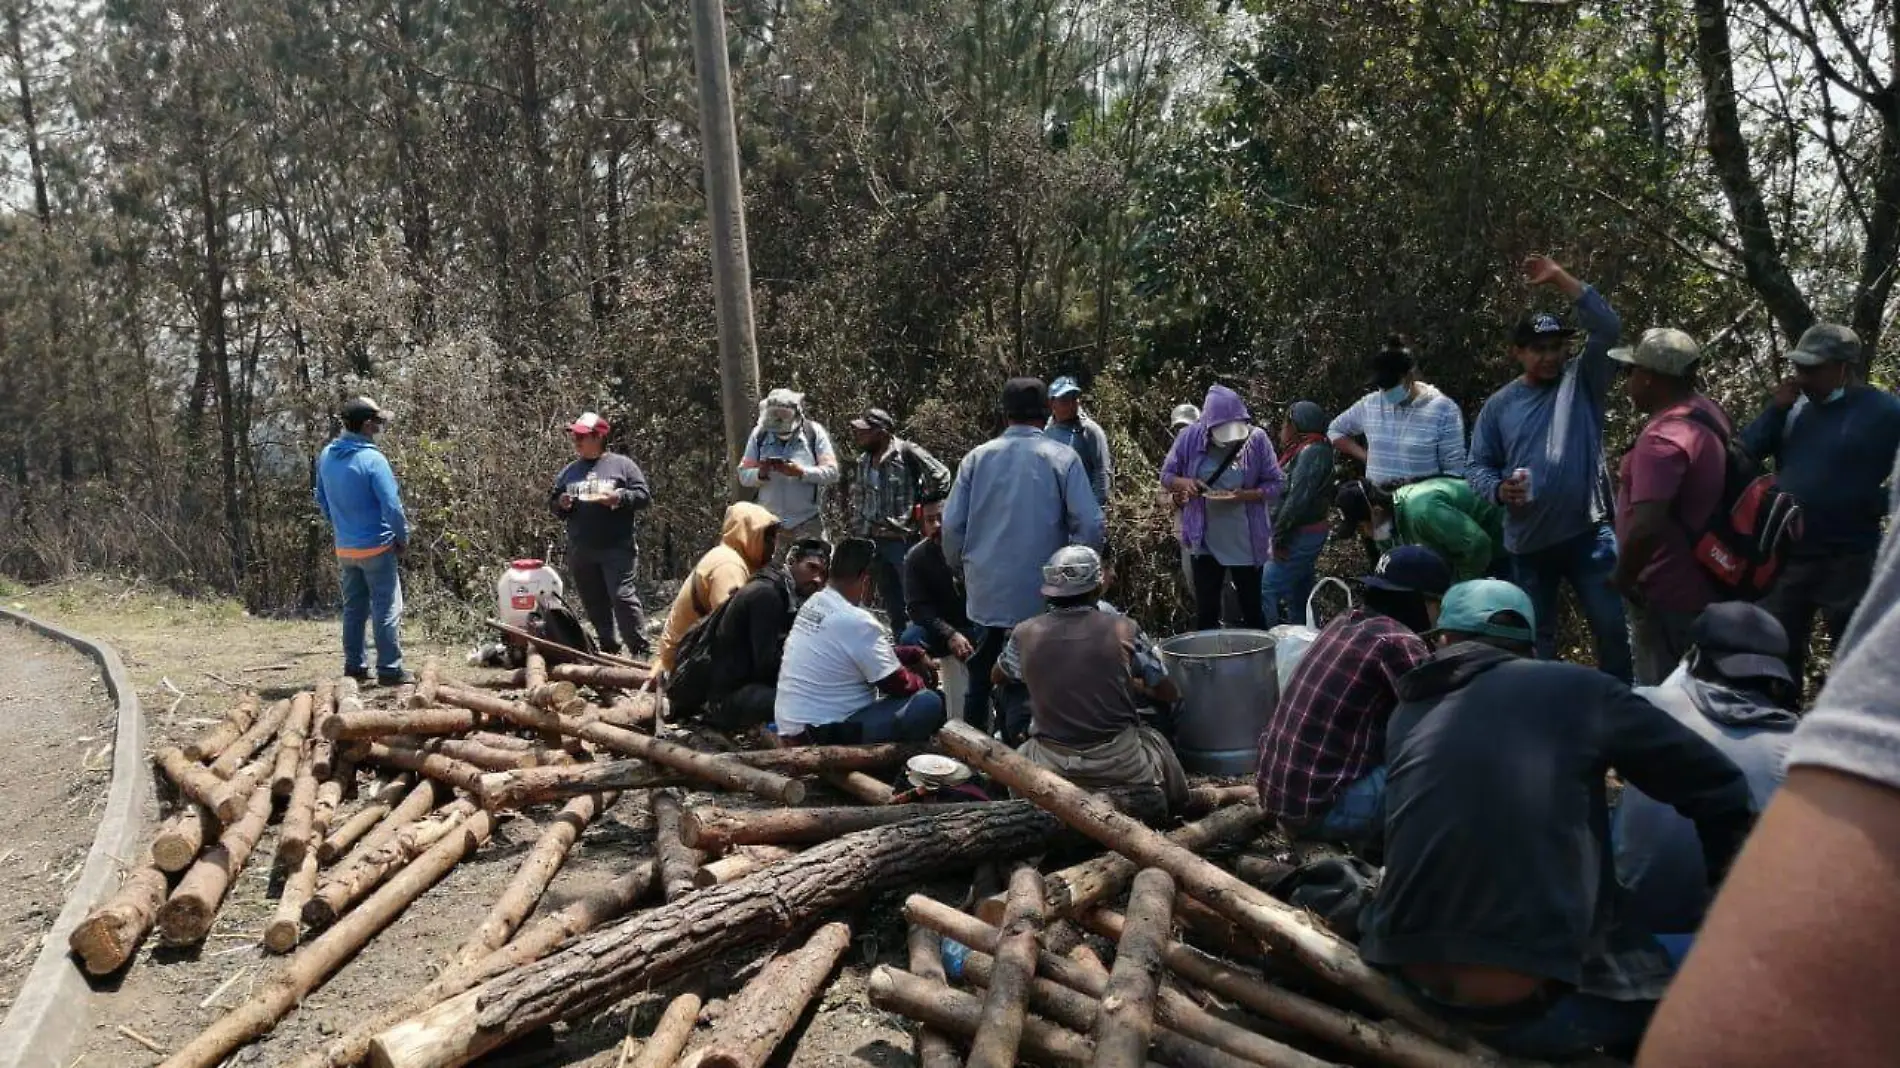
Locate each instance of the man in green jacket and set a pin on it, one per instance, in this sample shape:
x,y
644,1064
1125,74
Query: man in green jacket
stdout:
x,y
1442,514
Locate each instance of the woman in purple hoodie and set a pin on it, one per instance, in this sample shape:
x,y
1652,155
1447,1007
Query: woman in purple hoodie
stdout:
x,y
1224,470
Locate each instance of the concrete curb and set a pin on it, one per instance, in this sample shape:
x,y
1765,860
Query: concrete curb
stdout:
x,y
55,1000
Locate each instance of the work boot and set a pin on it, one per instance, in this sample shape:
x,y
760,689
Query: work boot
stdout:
x,y
402,678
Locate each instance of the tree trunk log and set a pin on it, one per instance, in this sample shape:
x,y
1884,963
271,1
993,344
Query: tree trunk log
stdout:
x,y
531,880
664,942
378,722
235,799
343,697
1202,800
612,678
716,830
196,782
727,773
738,864
179,841
353,881
634,711
459,774
295,834
671,1034
486,757
251,741
317,961
207,746
768,1007
870,790
679,861
110,934
186,916
1127,1021
1006,1005
373,812
537,785
416,804
956,1013
290,744
931,1047
1275,923
286,924
426,684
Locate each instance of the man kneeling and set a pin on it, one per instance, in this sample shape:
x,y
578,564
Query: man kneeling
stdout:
x,y
839,659
1081,665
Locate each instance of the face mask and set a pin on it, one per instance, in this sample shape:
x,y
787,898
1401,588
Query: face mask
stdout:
x,y
781,421
1383,532
1397,394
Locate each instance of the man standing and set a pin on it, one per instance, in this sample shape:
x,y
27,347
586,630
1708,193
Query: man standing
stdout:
x,y
1538,451
598,495
1017,499
356,491
893,476
1668,488
790,461
1833,440
1412,430
1300,525
1070,425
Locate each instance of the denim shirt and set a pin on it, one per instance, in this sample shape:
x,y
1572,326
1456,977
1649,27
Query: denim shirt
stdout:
x,y
1016,500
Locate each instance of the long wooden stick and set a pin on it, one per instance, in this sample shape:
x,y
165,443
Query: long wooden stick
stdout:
x,y
768,1007
286,924
931,1047
377,722
251,741
536,785
956,1013
300,817
417,803
186,916
1127,1022
1006,1004
671,1034
378,806
717,830
870,790
290,744
456,773
353,882
679,861
207,746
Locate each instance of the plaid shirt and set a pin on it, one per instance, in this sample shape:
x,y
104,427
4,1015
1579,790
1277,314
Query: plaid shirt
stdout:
x,y
885,489
1329,728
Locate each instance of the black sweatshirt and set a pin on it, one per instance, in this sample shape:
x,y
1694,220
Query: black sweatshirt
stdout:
x,y
750,639
1497,822
931,593
596,526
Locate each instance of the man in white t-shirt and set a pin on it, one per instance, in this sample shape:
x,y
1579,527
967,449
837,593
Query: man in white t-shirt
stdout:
x,y
842,681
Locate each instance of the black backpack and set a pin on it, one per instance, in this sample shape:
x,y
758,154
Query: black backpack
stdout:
x,y
554,620
689,686
1754,525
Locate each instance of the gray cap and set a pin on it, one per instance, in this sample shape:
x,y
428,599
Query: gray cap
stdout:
x,y
1183,415
1826,343
1664,350
1071,572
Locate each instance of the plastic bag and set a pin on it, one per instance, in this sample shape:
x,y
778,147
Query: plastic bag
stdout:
x,y
1291,640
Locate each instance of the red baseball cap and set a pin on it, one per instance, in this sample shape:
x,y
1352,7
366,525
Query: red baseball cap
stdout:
x,y
589,423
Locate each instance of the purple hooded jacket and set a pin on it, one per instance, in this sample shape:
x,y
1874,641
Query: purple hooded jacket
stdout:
x,y
1259,469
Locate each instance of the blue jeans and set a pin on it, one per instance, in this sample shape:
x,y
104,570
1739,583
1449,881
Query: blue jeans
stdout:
x,y
1585,562
1291,580
887,571
1357,817
900,719
1574,1025
372,594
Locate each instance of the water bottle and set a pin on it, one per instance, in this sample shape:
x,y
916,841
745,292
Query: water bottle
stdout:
x,y
954,954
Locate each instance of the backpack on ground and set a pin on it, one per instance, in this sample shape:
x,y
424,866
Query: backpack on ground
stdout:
x,y
689,686
554,620
1754,526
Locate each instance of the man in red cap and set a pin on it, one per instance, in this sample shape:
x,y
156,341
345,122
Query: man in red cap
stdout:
x,y
598,495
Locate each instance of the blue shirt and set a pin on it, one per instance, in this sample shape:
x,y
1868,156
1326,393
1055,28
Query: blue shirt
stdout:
x,y
1016,500
1090,442
1557,432
356,492
1834,458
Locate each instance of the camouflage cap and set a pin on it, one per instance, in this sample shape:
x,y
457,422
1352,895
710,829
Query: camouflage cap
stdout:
x,y
1664,350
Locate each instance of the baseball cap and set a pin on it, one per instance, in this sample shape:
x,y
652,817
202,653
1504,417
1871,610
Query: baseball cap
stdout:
x,y
874,419
1469,607
1825,343
1183,415
1066,386
359,408
588,424
1231,431
1410,569
1025,398
1541,326
1071,572
1664,350
1743,641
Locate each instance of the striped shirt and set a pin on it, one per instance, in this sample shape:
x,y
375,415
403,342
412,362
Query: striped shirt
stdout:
x,y
1417,438
885,489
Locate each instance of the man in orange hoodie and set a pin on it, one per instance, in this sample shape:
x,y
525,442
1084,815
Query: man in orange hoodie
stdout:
x,y
746,541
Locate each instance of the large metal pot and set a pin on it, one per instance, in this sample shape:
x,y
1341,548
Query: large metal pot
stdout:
x,y
1228,690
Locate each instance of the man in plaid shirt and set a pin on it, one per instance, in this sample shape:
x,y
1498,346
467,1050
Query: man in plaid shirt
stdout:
x,y
1322,754
892,478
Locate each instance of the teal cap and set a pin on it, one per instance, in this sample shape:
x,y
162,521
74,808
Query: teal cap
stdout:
x,y
1469,606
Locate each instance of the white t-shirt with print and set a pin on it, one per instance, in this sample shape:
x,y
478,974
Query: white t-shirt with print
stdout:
x,y
835,653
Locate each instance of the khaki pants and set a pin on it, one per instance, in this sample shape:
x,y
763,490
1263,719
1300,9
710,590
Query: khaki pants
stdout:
x,y
1138,756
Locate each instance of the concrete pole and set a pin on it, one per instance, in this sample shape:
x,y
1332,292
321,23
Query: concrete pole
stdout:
x,y
725,206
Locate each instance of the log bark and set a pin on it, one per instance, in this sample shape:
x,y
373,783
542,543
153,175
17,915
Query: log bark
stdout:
x,y
1202,800
373,812
530,880
378,722
195,782
611,678
679,860
251,741
716,830
426,683
417,802
1127,1024
1005,1007
1082,886
488,758
290,744
930,1047
456,773
1275,923
354,881
181,838
186,916
310,966
538,785
207,746
671,1034
956,1013
333,696
1383,1041
727,773
233,801
553,696
634,711
870,790
738,864
286,924
110,934
295,835
668,941
768,1007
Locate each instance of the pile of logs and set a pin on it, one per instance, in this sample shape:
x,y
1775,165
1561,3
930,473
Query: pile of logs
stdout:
x,y
428,773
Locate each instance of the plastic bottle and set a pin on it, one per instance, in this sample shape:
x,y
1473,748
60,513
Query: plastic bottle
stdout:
x,y
954,954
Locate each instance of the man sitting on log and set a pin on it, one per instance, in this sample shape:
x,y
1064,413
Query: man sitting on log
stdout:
x,y
749,642
1083,664
1499,907
746,540
839,659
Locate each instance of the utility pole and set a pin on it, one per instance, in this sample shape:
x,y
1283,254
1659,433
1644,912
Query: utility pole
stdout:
x,y
725,206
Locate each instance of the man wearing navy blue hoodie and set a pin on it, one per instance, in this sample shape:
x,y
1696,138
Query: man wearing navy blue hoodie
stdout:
x,y
356,491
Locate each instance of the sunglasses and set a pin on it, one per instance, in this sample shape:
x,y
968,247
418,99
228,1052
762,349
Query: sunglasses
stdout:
x,y
1066,574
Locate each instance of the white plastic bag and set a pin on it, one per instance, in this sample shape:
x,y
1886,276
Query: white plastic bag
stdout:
x,y
1291,640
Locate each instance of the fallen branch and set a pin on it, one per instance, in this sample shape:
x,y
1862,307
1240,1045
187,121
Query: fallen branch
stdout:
x,y
671,1034
286,924
1202,800
1127,1021
956,1013
768,1007
295,834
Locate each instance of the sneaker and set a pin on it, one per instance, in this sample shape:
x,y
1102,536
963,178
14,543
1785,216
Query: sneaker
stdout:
x,y
359,674
401,679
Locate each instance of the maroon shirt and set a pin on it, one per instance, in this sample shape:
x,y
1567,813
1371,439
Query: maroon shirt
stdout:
x,y
1678,460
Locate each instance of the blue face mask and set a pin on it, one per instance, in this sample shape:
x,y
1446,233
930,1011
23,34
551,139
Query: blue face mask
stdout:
x,y
1397,394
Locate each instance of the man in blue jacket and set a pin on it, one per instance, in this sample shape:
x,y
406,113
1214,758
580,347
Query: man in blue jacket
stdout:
x,y
356,491
1833,441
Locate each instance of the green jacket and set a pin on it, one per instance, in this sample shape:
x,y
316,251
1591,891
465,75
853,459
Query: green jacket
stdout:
x,y
1445,516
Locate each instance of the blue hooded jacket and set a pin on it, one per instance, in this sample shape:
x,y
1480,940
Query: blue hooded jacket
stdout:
x,y
356,492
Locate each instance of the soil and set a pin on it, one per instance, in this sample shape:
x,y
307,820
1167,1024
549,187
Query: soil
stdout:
x,y
55,765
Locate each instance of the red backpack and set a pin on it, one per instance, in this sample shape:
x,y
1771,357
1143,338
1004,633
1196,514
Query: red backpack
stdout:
x,y
1754,525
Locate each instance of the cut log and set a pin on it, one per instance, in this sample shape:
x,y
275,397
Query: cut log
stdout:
x,y
553,696
378,722
252,741
310,966
956,1013
716,830
703,926
738,864
727,773
353,881
488,758
333,696
208,745
1210,930
426,683
110,934
1277,924
530,880
1127,1024
456,773
329,797
290,744
1383,1041
508,742
768,1007
539,785
1000,1029
295,835
610,678
1082,886
1202,800
286,924
870,790
196,782
181,838
416,804
235,799
931,1048
679,861
671,1034
634,711
374,810
185,919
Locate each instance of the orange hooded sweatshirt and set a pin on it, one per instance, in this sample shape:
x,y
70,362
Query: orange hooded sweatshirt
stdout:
x,y
742,549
